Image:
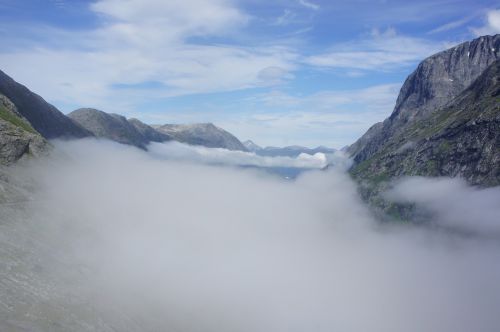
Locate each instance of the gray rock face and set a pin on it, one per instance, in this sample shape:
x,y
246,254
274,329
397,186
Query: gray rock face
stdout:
x,y
436,82
460,139
205,134
148,132
45,118
17,137
113,127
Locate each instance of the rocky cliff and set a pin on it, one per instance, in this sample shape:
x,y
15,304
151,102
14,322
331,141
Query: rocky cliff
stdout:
x,y
461,139
436,82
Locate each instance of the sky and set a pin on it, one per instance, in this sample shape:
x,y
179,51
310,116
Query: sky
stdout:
x,y
304,72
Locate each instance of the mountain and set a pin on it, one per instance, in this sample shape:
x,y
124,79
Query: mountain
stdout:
x,y
251,146
116,127
205,134
460,138
287,151
17,137
43,117
436,82
149,133
292,151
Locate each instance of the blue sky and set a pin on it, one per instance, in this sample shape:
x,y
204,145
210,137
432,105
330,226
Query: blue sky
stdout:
x,y
277,72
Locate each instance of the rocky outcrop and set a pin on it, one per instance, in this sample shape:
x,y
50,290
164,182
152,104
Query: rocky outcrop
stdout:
x,y
17,137
205,134
114,127
43,117
436,82
461,139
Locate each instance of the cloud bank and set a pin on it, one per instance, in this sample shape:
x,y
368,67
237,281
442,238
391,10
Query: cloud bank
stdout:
x,y
114,238
455,204
214,156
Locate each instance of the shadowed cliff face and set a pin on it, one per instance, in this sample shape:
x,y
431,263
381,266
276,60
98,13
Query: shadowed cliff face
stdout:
x,y
436,82
43,117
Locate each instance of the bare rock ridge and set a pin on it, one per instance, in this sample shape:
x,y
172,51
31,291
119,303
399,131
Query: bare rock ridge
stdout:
x,y
116,127
205,134
436,82
43,117
134,132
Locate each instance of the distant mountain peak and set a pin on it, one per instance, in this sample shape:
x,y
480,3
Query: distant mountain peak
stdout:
x,y
251,146
205,134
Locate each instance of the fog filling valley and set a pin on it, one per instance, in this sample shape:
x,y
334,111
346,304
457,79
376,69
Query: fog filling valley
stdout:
x,y
113,238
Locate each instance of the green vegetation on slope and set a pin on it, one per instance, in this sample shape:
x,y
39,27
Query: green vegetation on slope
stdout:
x,y
15,120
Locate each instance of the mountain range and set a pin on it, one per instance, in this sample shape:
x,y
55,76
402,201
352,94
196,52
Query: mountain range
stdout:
x,y
287,151
446,122
27,121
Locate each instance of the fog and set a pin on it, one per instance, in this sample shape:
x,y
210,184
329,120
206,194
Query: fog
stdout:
x,y
117,239
453,202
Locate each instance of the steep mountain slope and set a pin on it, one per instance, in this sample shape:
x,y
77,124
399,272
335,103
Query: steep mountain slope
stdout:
x,y
111,126
17,137
42,116
205,134
436,81
149,133
460,139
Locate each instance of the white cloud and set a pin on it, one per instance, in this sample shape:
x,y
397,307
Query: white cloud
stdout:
x,y
375,98
288,17
146,41
309,4
334,118
451,25
182,152
140,19
331,118
492,24
453,203
384,50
